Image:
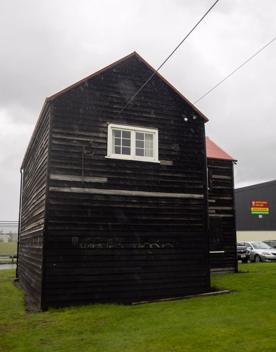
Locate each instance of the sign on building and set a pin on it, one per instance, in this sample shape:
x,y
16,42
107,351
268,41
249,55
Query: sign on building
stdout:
x,y
259,207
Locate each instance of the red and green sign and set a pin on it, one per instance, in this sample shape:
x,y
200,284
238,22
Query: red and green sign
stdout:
x,y
259,207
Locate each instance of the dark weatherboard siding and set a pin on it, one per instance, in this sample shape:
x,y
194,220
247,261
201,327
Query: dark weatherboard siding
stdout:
x,y
244,196
114,247
222,215
33,208
118,230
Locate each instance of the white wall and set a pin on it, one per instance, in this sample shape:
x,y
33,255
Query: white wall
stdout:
x,y
256,235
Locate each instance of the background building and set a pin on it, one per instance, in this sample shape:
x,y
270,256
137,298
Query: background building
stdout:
x,y
256,211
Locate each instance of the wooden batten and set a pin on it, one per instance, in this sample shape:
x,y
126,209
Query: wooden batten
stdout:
x,y
122,192
166,162
74,178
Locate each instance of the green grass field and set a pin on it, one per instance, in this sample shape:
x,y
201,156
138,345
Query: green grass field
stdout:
x,y
8,248
244,320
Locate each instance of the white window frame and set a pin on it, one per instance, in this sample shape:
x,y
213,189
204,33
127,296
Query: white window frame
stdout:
x,y
132,130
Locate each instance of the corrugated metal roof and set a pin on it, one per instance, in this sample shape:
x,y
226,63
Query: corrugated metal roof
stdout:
x,y
215,152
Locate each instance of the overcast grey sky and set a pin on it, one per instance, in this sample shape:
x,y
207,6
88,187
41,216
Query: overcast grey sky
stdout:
x,y
47,45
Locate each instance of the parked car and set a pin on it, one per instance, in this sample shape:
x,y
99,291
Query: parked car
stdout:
x,y
271,243
242,253
259,251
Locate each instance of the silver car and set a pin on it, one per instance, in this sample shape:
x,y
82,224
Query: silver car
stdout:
x,y
260,251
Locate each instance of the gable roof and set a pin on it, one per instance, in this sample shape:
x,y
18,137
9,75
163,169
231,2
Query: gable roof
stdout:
x,y
51,98
213,151
125,58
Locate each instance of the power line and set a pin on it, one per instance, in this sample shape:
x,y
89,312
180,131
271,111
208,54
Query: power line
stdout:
x,y
167,58
236,69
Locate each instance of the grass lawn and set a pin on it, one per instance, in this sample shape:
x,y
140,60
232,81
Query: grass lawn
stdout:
x,y
244,320
9,248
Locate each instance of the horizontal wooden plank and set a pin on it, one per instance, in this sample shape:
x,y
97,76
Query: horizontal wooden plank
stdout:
x,y
75,178
122,192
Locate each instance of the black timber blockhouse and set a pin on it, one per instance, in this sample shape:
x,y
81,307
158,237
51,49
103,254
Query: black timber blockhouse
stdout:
x,y
222,223
114,204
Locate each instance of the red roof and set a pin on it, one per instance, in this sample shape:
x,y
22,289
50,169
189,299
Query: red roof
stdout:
x,y
215,152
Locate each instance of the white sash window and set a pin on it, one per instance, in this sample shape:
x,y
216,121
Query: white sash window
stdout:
x,y
132,143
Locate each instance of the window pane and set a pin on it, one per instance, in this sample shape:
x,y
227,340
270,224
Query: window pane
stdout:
x,y
117,133
140,136
149,153
139,152
126,150
117,150
148,145
126,142
117,141
140,144
149,139
126,134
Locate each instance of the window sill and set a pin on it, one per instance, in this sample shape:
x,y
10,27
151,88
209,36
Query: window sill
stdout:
x,y
125,157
